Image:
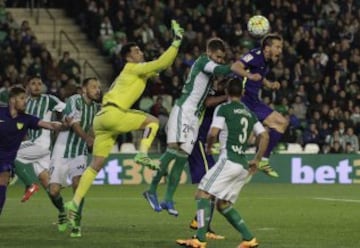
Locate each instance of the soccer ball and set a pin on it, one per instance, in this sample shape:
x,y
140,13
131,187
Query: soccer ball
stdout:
x,y
258,26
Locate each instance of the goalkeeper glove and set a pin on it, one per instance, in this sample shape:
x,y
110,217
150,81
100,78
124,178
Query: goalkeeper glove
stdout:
x,y
178,33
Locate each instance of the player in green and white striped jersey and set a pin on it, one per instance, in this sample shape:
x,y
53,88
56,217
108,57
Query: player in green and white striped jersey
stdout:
x,y
232,123
183,123
69,156
36,149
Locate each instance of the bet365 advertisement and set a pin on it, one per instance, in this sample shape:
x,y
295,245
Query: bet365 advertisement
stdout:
x,y
294,169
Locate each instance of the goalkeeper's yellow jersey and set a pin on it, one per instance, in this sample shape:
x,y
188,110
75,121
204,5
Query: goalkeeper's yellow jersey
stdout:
x,y
130,83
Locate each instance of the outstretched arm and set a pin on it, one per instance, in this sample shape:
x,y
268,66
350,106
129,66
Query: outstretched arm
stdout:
x,y
167,58
51,125
263,136
239,68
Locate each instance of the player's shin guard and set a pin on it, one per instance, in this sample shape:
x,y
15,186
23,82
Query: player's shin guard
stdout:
x,y
22,172
234,218
165,160
57,201
149,136
275,136
86,180
203,216
174,176
2,197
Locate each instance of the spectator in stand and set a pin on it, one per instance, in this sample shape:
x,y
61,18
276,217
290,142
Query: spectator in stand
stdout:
x,y
352,139
66,64
158,110
299,108
336,147
311,134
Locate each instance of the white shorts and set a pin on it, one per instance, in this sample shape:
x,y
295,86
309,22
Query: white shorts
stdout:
x,y
182,128
225,180
62,170
35,154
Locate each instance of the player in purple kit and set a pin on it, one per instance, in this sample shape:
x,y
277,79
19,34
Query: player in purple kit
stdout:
x,y
253,67
14,124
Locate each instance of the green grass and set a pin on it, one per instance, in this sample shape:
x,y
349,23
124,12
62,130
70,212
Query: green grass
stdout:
x,y
280,216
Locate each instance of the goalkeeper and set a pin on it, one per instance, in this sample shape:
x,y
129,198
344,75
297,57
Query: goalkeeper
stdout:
x,y
116,117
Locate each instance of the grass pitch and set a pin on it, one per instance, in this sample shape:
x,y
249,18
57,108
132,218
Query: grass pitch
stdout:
x,y
279,215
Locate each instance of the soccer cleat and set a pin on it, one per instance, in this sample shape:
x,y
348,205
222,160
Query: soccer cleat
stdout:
x,y
249,244
75,232
62,222
193,224
151,198
72,213
32,189
169,206
210,233
193,242
144,160
265,167
214,236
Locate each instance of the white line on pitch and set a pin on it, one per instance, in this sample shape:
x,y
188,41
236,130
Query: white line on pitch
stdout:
x,y
336,199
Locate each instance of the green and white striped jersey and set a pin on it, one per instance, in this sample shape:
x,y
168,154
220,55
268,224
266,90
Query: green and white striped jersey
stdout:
x,y
236,123
198,84
43,107
68,144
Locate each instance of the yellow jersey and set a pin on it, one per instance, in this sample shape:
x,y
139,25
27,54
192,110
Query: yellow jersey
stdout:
x,y
130,83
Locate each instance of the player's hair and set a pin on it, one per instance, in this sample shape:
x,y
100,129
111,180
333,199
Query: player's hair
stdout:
x,y
34,76
15,91
126,49
234,87
215,44
86,81
268,40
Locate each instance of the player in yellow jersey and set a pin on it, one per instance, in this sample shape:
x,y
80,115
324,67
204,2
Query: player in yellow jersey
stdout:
x,y
116,117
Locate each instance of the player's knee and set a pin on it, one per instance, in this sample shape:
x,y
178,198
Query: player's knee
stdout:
x,y
221,205
202,194
54,190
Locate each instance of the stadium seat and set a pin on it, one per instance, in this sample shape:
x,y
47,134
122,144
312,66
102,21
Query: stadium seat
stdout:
x,y
146,103
292,148
311,148
115,149
128,148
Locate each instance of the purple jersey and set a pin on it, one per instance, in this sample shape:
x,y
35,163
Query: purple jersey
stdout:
x,y
254,61
12,133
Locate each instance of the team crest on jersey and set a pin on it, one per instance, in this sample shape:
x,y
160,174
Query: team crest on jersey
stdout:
x,y
19,125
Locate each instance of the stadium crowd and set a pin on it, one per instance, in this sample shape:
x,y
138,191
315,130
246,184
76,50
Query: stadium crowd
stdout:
x,y
319,71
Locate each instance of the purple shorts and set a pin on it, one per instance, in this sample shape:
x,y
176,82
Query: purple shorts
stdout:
x,y
197,160
6,166
260,109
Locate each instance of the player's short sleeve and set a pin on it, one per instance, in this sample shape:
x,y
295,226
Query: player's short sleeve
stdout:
x,y
32,122
216,69
55,104
249,59
258,128
73,109
218,118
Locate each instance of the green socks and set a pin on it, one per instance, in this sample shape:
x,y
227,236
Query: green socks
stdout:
x,y
203,216
237,222
165,160
174,176
23,173
57,201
